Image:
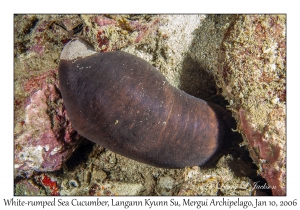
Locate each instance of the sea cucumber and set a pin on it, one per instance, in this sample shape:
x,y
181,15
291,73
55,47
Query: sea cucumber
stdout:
x,y
123,103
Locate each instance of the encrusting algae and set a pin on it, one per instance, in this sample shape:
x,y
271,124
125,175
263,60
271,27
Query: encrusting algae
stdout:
x,y
252,74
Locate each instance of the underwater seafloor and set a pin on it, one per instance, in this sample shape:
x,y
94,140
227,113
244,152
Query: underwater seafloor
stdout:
x,y
236,61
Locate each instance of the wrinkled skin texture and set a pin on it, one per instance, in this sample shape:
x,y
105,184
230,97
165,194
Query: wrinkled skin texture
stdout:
x,y
121,102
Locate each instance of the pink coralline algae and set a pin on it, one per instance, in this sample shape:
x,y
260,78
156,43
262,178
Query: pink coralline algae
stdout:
x,y
128,31
39,39
47,138
103,21
39,49
270,158
144,29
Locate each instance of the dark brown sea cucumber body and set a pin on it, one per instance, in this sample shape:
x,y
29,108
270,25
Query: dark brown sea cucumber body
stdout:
x,y
124,104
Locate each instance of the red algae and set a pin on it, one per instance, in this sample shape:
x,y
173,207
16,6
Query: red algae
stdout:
x,y
103,41
49,184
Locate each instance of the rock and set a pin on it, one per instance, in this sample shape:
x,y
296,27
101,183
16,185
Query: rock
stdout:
x,y
28,187
252,72
46,138
117,188
98,175
165,185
